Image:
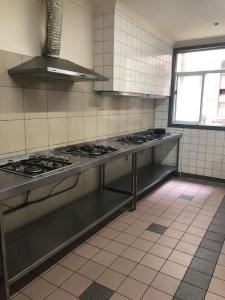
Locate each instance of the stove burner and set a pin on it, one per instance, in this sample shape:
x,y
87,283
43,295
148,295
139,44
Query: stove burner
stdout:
x,y
89,150
35,165
137,139
147,136
33,170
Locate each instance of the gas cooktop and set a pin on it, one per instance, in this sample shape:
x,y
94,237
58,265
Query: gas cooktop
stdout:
x,y
89,150
35,165
147,136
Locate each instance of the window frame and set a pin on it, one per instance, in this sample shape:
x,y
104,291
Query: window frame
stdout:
x,y
172,98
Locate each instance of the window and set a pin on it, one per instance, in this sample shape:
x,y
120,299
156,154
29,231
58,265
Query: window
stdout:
x,y
198,97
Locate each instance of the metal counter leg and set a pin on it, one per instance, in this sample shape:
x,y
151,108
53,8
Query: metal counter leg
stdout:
x,y
177,158
102,177
4,282
134,181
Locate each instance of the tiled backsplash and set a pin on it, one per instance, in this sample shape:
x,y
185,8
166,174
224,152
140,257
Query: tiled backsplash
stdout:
x,y
134,59
202,152
36,114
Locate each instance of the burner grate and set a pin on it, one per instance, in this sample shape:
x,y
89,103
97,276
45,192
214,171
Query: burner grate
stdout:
x,y
35,165
89,150
147,136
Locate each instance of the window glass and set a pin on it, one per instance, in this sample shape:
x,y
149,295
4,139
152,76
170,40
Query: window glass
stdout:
x,y
188,98
201,60
199,87
210,99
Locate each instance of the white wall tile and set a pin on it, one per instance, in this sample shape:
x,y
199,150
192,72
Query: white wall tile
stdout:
x,y
146,69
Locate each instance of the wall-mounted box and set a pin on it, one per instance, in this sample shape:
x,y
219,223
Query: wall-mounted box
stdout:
x,y
134,60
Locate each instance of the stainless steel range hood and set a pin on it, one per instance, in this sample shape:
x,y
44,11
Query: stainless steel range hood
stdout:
x,y
50,64
130,94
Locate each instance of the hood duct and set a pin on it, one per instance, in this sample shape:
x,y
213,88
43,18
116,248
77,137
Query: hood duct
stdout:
x,y
53,28
50,65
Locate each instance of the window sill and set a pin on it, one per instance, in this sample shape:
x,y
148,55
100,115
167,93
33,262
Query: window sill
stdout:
x,y
201,127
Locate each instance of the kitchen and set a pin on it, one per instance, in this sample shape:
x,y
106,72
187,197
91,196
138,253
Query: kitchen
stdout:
x,y
112,160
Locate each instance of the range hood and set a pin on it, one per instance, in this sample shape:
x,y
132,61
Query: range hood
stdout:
x,y
131,94
50,65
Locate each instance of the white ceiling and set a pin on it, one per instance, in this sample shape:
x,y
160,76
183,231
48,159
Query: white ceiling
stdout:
x,y
182,20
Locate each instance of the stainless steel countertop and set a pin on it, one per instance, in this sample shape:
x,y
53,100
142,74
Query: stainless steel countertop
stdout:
x,y
12,185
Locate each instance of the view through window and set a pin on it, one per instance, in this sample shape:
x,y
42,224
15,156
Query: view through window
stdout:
x,y
199,88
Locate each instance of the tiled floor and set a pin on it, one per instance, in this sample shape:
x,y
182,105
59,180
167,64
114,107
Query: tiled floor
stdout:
x,y
171,247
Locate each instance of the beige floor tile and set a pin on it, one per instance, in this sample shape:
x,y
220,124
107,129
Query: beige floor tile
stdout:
x,y
111,279
187,214
155,211
57,275
152,261
200,224
191,238
186,247
183,220
109,233
91,270
211,296
221,260
39,290
19,296
118,225
203,218
117,296
141,224
148,218
59,294
125,238
181,258
166,283
174,270
104,258
160,250
132,289
142,244
192,209
174,233
76,284
179,226
123,265
143,274
164,222
126,219
98,241
170,216
153,294
133,254
133,230
73,262
134,214
150,236
87,251
219,272
174,210
196,231
167,241
217,286
115,247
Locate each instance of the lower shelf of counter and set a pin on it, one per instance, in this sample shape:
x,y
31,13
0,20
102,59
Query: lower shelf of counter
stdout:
x,y
148,177
31,245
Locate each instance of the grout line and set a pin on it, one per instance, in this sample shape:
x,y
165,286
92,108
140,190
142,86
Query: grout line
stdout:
x,y
215,263
135,219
